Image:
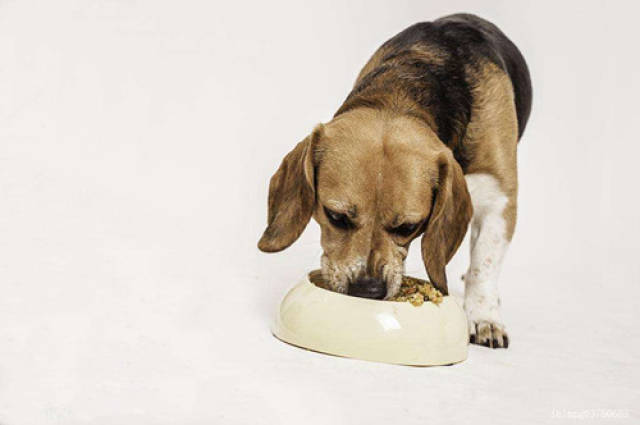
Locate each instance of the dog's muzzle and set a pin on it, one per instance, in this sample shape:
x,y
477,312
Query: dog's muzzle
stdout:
x,y
368,287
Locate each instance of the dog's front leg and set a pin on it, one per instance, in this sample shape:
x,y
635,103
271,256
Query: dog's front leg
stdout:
x,y
490,236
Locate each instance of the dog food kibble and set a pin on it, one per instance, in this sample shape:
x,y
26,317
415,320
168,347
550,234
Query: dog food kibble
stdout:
x,y
417,291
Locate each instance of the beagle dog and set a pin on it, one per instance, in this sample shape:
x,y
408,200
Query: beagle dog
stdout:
x,y
425,144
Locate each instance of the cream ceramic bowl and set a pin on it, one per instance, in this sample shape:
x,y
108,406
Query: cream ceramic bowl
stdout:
x,y
383,331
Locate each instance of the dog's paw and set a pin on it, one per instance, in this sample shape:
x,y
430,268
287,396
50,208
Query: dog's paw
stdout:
x,y
489,334
483,315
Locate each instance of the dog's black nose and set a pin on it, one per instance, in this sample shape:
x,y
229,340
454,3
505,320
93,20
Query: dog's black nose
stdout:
x,y
368,287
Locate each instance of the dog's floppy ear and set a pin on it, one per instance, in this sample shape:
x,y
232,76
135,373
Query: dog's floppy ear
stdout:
x,y
291,196
451,212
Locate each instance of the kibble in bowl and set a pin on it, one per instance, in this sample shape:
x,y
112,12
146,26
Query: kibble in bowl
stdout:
x,y
417,292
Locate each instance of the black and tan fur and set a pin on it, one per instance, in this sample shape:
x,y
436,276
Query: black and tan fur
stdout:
x,y
435,71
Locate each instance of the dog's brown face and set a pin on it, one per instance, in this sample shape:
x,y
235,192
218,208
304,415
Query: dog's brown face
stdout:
x,y
373,183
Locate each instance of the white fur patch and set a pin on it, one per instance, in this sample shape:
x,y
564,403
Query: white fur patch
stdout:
x,y
338,276
488,246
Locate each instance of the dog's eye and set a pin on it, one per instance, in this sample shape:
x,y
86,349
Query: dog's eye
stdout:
x,y
339,220
405,229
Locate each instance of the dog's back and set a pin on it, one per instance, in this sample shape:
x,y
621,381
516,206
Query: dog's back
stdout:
x,y
430,69
484,38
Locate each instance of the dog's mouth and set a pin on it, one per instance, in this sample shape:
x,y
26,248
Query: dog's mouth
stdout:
x,y
368,287
355,280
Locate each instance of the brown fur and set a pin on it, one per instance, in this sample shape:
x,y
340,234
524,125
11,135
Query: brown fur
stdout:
x,y
291,196
380,161
447,225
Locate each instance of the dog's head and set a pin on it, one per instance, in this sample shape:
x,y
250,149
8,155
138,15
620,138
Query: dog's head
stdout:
x,y
374,183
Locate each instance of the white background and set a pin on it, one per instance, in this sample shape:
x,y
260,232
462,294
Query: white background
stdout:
x,y
136,143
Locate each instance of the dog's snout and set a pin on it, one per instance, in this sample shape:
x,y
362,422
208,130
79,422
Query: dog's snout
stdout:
x,y
368,287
